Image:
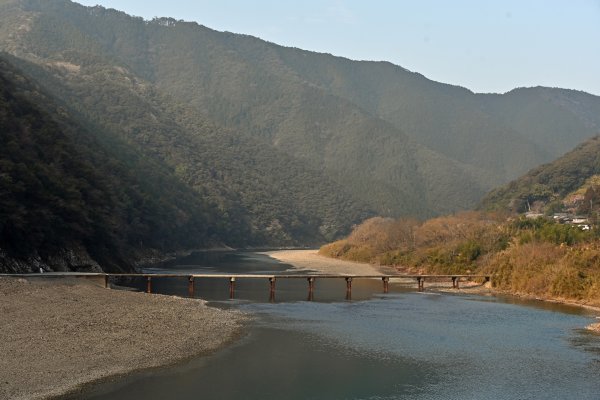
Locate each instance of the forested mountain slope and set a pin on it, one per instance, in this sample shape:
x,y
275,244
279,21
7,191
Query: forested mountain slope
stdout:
x,y
71,198
240,83
289,146
549,184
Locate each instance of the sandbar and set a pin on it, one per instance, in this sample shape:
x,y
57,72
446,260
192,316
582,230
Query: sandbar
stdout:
x,y
310,260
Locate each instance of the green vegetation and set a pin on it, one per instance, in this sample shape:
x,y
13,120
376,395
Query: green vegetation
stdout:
x,y
536,257
385,140
60,187
550,188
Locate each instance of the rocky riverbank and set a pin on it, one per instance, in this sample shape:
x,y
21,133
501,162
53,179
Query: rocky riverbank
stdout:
x,y
74,258
60,334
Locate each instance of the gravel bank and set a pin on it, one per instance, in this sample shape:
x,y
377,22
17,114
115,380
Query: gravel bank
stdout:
x,y
56,336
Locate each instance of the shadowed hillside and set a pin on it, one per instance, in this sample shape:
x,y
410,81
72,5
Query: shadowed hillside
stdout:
x,y
70,197
314,108
547,186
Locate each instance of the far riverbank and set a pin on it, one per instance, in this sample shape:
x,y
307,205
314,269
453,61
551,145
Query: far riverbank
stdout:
x,y
311,260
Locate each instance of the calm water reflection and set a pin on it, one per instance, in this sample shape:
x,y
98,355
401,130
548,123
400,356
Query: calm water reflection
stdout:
x,y
404,345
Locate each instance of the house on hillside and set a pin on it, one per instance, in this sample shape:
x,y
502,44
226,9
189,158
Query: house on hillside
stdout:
x,y
579,220
561,218
533,215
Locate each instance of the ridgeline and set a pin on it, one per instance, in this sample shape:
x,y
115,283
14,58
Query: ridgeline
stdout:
x,y
193,138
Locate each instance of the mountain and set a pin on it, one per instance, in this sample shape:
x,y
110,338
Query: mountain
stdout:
x,y
194,77
554,119
72,199
289,146
549,187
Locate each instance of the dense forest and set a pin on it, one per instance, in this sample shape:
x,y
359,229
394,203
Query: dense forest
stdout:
x,y
553,187
387,140
63,186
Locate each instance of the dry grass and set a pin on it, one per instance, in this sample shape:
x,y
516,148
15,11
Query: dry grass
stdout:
x,y
549,271
534,258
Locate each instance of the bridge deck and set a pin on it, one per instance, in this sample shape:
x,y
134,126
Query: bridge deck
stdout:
x,y
271,277
250,276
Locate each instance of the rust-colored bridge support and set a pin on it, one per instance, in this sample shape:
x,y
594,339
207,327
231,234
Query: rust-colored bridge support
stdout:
x,y
311,288
348,288
272,289
420,283
232,287
148,284
455,282
106,281
386,284
191,286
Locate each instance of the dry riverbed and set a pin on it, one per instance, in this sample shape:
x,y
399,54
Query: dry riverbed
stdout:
x,y
58,335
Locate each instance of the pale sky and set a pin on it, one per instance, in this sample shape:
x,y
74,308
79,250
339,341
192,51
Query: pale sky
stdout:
x,y
483,45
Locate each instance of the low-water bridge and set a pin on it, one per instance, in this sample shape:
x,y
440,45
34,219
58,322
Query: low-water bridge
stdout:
x,y
272,279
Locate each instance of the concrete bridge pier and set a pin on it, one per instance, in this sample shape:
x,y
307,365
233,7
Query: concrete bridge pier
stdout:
x,y
455,281
311,288
191,286
420,283
232,287
348,288
386,284
272,289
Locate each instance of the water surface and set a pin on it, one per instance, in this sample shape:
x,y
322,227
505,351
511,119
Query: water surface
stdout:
x,y
403,345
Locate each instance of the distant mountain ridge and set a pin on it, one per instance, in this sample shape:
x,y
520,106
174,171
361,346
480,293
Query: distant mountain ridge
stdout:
x,y
292,147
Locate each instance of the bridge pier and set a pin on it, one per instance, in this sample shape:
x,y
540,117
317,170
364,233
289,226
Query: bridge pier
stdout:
x,y
149,284
348,288
272,289
455,281
386,284
232,287
106,281
191,286
420,283
311,288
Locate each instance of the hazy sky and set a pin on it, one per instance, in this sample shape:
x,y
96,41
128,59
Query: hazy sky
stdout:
x,y
484,45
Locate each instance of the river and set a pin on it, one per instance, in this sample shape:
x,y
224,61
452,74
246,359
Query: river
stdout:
x,y
400,345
